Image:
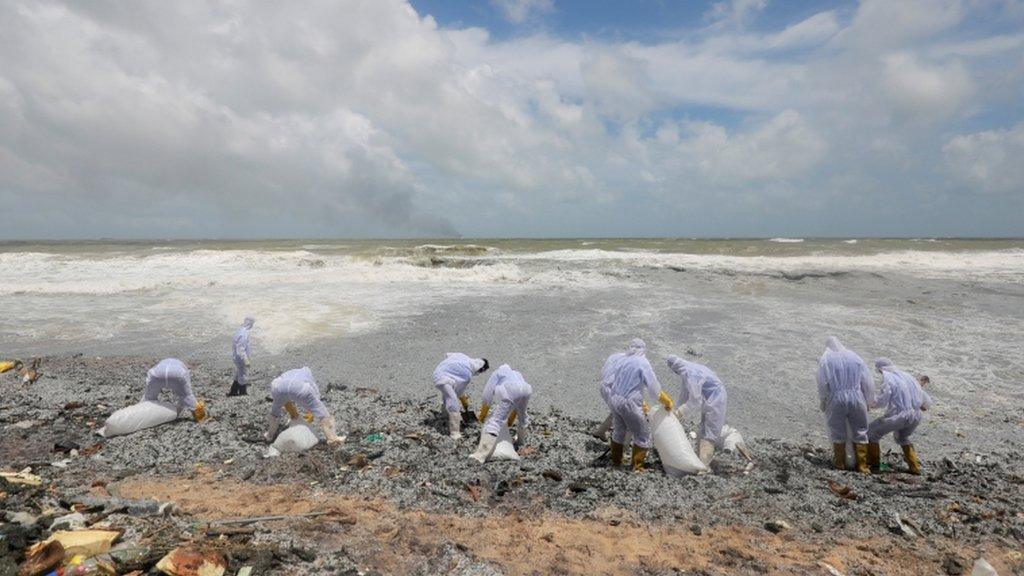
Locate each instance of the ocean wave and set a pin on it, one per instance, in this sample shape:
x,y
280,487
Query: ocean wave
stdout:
x,y
787,240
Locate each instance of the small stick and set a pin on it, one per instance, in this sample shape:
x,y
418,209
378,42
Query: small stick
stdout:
x,y
265,518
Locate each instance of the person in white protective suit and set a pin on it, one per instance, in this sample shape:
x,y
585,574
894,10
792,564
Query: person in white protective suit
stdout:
x,y
904,399
633,381
297,390
845,393
701,390
509,393
241,353
636,346
172,374
452,377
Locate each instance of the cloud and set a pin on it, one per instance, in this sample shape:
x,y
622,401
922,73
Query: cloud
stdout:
x,y
519,11
989,161
364,117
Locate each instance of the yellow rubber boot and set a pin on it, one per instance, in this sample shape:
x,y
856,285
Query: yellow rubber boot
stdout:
x,y
874,455
910,455
638,458
862,458
839,456
511,418
616,453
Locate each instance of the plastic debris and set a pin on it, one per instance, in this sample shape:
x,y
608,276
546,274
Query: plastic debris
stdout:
x,y
24,477
190,561
983,568
73,521
375,437
86,543
41,558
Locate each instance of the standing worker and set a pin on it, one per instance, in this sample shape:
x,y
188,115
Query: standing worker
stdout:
x,y
506,389
636,346
452,377
633,382
296,389
240,352
845,392
905,399
172,374
701,390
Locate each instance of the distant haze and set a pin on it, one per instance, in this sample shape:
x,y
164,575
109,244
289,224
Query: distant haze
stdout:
x,y
513,118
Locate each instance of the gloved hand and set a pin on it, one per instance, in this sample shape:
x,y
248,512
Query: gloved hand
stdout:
x,y
308,417
199,413
465,402
482,416
245,360
289,407
512,418
646,407
666,401
327,424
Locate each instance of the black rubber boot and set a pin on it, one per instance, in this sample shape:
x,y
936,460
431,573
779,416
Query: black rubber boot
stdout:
x,y
234,389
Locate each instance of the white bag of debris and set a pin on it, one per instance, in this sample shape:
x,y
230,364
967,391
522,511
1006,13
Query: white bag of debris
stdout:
x,y
672,444
505,449
298,437
145,414
730,438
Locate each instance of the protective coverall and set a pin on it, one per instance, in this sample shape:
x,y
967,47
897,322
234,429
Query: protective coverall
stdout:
x,y
636,346
452,377
509,393
633,381
904,399
297,390
702,390
241,353
172,374
845,392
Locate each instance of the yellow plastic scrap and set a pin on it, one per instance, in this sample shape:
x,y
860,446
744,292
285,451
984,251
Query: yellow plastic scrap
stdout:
x,y
86,543
24,477
7,365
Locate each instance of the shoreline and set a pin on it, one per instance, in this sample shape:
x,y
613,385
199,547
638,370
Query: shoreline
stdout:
x,y
961,502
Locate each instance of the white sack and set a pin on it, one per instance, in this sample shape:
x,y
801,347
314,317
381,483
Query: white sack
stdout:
x,y
674,449
298,437
505,449
145,414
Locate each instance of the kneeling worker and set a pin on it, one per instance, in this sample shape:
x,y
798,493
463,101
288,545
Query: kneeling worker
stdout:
x,y
507,389
296,389
172,374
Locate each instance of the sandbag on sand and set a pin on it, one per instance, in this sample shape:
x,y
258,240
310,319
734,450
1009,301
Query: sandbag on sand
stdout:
x,y
505,449
145,414
672,444
298,437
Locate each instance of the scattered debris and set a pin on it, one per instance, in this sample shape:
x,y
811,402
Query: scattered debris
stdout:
x,y
830,569
41,558
841,490
85,543
25,477
237,521
552,474
191,561
776,526
983,568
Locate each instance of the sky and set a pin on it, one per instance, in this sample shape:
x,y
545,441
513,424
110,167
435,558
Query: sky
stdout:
x,y
511,118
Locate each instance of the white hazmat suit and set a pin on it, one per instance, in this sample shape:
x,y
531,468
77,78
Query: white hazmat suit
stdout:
x,y
296,390
171,374
904,399
845,393
633,382
701,390
509,393
452,377
636,346
241,353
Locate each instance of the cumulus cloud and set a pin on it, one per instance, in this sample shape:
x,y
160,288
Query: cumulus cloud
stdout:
x,y
519,11
989,161
365,117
